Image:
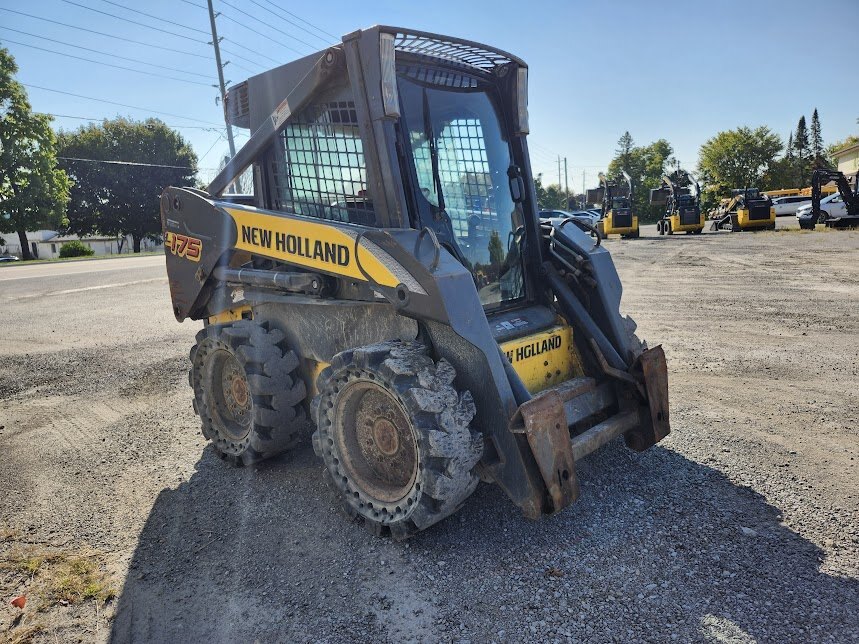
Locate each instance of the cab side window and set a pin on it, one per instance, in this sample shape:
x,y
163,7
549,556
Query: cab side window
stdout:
x,y
317,166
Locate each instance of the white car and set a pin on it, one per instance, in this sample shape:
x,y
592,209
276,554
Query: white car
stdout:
x,y
833,206
788,205
582,215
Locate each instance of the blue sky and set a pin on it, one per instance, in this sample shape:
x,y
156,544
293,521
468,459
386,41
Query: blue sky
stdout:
x,y
675,70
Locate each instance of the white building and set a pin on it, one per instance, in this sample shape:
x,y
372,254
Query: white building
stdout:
x,y
46,244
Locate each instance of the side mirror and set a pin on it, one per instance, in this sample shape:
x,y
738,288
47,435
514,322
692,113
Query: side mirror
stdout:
x,y
517,185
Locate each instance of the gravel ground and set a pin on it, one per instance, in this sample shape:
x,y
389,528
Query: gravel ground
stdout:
x,y
743,525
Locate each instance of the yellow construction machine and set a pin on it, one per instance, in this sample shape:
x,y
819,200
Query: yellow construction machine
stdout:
x,y
615,197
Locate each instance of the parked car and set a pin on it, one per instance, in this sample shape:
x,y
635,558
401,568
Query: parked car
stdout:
x,y
832,205
788,205
587,216
9,258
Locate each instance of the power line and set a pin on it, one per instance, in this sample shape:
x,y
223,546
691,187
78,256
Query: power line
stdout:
x,y
327,33
98,62
149,15
281,31
287,20
133,107
87,118
218,140
259,33
240,66
134,163
135,22
101,33
240,57
104,53
194,4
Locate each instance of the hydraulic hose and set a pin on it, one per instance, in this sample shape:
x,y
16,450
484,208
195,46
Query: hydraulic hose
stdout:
x,y
578,315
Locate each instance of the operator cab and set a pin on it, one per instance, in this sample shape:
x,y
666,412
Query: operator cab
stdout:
x,y
458,158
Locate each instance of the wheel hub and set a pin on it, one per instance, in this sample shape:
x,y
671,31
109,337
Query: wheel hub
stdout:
x,y
232,395
239,388
376,441
385,436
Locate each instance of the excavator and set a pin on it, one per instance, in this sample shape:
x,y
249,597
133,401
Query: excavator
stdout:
x,y
850,217
747,209
682,207
616,199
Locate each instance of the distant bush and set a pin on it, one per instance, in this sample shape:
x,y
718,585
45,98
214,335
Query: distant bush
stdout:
x,y
75,249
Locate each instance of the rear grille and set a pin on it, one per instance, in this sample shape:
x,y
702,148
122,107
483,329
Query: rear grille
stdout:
x,y
689,217
757,213
622,218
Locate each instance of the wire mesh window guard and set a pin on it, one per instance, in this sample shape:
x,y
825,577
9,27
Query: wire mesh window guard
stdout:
x,y
321,171
463,168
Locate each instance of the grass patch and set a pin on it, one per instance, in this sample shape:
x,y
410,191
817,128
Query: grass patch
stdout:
x,y
58,577
77,579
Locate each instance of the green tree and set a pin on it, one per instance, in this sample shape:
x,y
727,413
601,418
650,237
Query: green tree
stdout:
x,y
838,145
33,192
738,158
551,197
496,249
819,152
122,198
801,146
646,165
624,149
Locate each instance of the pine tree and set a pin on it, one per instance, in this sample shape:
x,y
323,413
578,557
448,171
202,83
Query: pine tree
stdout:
x,y
624,148
790,161
817,141
800,144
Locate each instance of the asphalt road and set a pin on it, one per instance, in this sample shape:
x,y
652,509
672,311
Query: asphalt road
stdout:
x,y
109,299
743,525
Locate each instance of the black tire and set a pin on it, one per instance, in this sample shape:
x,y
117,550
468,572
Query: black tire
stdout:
x,y
395,438
261,413
698,231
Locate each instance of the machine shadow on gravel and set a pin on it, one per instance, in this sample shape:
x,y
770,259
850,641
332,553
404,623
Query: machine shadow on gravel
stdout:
x,y
655,539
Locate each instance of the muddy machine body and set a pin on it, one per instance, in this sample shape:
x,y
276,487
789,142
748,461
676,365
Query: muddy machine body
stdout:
x,y
390,281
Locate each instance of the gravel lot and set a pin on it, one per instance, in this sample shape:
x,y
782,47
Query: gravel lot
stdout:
x,y
742,526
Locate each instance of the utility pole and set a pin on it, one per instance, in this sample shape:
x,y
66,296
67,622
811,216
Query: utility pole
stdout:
x,y
216,43
566,182
559,172
584,202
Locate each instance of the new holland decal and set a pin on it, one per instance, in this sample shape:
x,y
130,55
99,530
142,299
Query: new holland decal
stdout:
x,y
321,246
534,348
544,359
314,249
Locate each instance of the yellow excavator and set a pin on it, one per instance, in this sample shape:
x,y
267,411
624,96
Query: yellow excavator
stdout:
x,y
615,196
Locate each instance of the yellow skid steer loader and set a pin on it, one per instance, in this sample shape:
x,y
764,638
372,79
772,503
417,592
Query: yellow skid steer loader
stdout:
x,y
389,277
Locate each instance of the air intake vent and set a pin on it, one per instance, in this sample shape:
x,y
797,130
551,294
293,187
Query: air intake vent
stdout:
x,y
237,106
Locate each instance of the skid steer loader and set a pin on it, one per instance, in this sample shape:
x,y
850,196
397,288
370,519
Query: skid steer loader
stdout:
x,y
615,198
682,207
390,277
747,209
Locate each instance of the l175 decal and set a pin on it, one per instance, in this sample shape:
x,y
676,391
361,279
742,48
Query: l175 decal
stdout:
x,y
183,246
